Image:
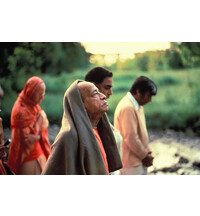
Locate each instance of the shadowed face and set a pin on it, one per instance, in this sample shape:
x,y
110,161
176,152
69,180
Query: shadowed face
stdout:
x,y
106,87
94,101
145,98
39,93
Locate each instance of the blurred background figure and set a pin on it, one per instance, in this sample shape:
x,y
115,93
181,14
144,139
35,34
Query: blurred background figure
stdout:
x,y
129,119
1,95
29,147
3,148
103,80
1,91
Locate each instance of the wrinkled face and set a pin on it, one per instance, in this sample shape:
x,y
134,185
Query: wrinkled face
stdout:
x,y
94,101
39,93
144,99
106,87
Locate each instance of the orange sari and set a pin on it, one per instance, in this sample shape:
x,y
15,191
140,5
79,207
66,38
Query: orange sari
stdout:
x,y
27,118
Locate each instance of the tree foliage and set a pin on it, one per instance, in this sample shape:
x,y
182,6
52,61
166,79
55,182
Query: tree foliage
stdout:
x,y
174,59
178,56
189,52
25,59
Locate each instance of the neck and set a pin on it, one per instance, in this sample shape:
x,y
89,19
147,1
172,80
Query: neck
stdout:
x,y
94,121
136,98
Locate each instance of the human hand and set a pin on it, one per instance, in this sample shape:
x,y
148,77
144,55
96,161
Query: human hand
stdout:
x,y
30,139
3,153
148,160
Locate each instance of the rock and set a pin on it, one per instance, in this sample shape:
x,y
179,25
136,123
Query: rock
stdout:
x,y
196,164
172,169
183,160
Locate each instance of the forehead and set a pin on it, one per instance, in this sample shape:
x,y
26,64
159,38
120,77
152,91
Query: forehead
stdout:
x,y
41,87
86,88
108,81
91,88
148,94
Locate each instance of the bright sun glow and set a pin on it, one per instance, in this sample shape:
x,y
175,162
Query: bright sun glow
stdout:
x,y
122,50
123,47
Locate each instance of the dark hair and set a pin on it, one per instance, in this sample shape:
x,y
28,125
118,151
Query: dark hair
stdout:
x,y
144,84
97,75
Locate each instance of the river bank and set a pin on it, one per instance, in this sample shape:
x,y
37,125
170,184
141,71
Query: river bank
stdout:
x,y
175,153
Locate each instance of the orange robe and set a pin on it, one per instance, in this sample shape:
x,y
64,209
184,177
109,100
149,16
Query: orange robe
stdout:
x,y
27,118
103,154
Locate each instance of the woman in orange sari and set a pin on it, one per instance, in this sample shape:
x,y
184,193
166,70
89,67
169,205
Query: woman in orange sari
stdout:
x,y
29,147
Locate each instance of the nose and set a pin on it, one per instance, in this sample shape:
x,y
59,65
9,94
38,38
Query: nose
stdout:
x,y
102,96
110,92
42,96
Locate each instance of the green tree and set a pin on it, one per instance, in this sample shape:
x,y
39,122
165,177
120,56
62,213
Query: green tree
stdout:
x,y
6,49
189,51
27,59
174,59
143,62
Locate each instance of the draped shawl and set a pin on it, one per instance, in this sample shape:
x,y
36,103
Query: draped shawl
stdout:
x,y
75,150
25,114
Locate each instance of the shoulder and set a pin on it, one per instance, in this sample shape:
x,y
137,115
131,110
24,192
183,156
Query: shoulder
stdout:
x,y
66,138
21,115
125,105
20,108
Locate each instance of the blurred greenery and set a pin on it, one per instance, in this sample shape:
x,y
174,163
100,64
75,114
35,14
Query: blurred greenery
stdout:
x,y
176,73
180,55
176,104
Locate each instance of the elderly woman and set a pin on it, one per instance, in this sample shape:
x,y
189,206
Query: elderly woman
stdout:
x,y
30,147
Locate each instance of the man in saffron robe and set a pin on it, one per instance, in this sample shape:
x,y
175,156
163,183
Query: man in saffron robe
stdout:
x,y
29,147
85,144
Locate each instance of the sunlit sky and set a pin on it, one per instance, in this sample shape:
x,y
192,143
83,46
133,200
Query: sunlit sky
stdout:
x,y
124,49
